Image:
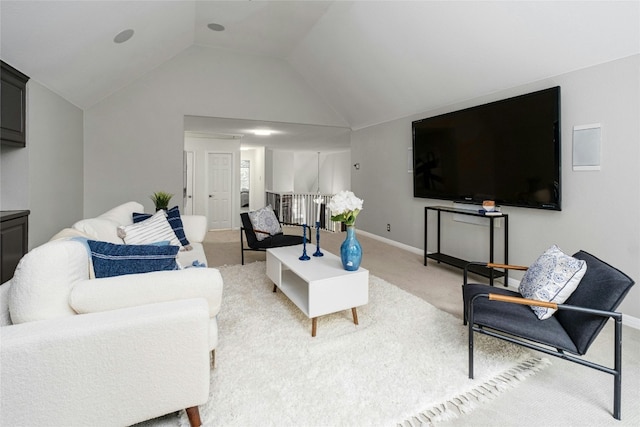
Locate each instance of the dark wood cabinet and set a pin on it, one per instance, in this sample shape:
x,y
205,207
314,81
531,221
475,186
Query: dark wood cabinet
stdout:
x,y
13,102
14,237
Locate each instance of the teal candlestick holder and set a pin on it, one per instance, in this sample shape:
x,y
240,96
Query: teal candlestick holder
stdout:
x,y
304,256
318,252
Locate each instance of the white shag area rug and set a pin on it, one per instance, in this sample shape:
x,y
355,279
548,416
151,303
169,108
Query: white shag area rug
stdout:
x,y
404,364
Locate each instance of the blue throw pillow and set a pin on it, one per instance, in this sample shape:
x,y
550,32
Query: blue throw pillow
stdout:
x,y
110,259
139,217
173,216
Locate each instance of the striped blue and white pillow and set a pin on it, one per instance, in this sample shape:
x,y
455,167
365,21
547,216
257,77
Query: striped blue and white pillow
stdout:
x,y
173,216
111,260
151,230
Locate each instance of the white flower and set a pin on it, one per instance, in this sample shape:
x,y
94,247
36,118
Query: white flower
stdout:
x,y
344,207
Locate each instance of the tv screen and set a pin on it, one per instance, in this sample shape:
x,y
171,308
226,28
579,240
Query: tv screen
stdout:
x,y
507,151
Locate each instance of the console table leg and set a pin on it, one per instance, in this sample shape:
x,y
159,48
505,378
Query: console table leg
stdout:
x,y
274,287
355,315
314,326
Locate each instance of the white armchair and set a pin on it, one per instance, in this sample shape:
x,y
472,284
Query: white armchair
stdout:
x,y
117,367
108,351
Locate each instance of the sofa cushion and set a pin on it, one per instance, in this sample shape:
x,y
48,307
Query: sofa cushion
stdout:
x,y
552,277
122,214
265,223
43,280
175,221
105,226
195,227
196,254
118,260
90,296
153,229
99,229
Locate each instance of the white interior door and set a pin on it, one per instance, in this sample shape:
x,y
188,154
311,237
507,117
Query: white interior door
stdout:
x,y
189,183
220,168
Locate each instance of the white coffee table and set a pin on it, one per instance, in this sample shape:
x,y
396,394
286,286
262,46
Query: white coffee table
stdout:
x,y
318,286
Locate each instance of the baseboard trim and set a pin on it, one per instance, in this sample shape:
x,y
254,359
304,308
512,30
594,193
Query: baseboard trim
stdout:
x,y
631,321
391,242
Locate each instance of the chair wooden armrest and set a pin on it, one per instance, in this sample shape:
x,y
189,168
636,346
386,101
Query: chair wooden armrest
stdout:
x,y
261,232
507,266
523,301
490,265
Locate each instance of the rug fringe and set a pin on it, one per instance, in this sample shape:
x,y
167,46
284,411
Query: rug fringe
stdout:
x,y
465,403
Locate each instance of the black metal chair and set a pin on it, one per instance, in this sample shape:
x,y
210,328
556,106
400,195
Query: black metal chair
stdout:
x,y
505,314
273,241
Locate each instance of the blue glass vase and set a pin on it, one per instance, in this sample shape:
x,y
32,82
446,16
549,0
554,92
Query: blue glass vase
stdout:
x,y
350,250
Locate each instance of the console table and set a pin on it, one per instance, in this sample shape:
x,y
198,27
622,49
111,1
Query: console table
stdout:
x,y
460,263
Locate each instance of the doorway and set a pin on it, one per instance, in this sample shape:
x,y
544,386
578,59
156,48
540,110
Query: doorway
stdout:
x,y
188,182
219,187
245,184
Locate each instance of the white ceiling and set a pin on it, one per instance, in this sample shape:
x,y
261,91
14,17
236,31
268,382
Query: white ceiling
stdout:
x,y
285,136
372,61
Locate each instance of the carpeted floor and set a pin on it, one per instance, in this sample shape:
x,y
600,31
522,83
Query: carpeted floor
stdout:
x,y
563,394
405,361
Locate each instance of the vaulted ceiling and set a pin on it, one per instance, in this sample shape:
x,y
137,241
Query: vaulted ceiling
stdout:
x,y
372,61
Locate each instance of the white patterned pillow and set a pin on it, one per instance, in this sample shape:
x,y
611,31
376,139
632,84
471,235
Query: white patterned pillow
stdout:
x,y
553,278
264,222
152,230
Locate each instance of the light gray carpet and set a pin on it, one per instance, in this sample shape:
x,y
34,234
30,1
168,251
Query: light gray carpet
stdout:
x,y
562,394
404,363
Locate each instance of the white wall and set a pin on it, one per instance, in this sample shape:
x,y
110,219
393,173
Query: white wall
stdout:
x,y
335,172
14,178
297,171
256,157
599,209
281,171
138,131
46,176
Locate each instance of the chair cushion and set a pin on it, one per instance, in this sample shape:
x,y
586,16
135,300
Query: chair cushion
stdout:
x,y
516,319
552,277
279,240
265,223
603,287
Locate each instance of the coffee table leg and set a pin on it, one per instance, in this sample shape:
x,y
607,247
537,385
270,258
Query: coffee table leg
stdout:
x,y
355,315
314,326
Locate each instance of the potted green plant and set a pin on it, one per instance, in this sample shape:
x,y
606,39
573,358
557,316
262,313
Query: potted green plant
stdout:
x,y
161,200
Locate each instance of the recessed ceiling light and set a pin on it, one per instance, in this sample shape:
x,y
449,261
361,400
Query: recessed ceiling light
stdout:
x,y
123,36
262,132
215,27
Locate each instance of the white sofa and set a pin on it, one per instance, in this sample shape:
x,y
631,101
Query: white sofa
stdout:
x,y
77,350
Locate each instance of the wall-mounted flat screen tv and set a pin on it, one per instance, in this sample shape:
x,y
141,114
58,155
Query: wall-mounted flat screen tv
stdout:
x,y
507,151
